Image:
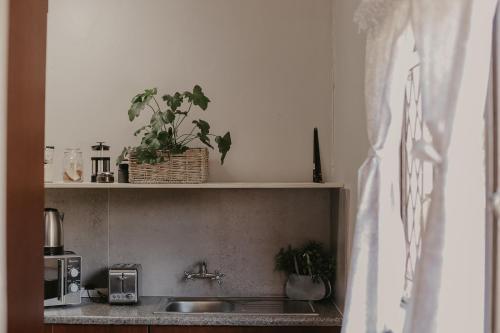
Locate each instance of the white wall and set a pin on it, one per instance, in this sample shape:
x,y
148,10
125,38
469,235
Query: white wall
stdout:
x,y
350,138
266,65
3,112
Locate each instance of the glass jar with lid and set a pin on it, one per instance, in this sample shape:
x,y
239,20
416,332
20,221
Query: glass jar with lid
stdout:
x,y
73,165
48,164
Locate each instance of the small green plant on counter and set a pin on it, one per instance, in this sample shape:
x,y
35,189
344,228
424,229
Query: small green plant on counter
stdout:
x,y
162,132
321,264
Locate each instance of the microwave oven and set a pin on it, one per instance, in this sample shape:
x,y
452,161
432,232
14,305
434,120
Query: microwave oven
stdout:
x,y
62,279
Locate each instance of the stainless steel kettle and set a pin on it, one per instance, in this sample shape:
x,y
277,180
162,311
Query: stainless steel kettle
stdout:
x,y
54,237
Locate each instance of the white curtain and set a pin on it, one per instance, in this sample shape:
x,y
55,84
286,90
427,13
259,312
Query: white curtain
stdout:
x,y
453,39
378,253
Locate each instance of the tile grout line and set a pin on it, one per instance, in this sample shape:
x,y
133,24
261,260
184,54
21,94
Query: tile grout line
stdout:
x,y
107,223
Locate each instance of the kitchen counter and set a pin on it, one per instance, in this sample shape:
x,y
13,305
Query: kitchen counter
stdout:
x,y
144,314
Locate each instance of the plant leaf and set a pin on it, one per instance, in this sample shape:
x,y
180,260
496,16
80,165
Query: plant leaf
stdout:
x,y
204,139
139,102
197,97
157,122
224,144
140,130
148,138
123,155
203,126
135,110
151,92
175,101
155,144
170,117
165,138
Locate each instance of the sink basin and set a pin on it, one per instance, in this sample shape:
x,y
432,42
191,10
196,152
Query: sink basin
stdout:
x,y
249,306
200,306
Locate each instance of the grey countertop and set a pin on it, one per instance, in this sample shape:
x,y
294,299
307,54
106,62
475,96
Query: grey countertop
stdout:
x,y
144,314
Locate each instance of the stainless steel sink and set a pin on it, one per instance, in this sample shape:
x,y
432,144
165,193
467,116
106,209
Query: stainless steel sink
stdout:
x,y
261,306
200,306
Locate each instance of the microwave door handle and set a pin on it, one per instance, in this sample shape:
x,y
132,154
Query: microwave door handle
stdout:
x,y
62,279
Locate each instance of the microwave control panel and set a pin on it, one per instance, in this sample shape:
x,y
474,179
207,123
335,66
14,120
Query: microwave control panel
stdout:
x,y
73,274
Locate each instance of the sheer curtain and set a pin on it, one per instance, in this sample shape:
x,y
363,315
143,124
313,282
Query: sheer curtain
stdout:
x,y
378,253
453,40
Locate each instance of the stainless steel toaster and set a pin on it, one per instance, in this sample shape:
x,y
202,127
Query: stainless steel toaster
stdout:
x,y
123,283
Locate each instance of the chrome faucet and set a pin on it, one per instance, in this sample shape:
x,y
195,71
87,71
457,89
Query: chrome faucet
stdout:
x,y
204,275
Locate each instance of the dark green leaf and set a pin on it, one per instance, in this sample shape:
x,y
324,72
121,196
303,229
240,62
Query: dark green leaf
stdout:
x,y
205,139
224,144
165,138
197,97
175,101
203,126
137,99
170,117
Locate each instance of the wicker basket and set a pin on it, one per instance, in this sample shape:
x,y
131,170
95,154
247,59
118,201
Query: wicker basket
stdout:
x,y
191,167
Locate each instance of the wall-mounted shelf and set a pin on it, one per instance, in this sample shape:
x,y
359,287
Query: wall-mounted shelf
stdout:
x,y
197,186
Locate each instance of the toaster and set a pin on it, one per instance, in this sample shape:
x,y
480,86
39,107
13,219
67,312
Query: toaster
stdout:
x,y
123,283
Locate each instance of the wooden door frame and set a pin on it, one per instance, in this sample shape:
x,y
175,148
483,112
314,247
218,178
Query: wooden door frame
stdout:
x,y
25,141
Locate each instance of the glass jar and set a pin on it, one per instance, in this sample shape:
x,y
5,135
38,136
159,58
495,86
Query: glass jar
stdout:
x,y
73,166
48,164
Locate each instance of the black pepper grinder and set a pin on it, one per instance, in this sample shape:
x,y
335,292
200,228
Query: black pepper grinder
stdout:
x,y
101,161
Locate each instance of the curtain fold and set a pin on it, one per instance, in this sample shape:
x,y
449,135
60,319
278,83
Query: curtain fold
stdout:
x,y
453,39
378,252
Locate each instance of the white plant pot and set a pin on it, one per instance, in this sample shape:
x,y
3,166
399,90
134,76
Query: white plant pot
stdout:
x,y
303,288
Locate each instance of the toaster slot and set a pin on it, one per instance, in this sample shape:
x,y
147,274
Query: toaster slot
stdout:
x,y
129,285
115,282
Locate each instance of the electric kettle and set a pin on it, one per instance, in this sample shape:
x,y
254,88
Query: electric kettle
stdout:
x,y
54,238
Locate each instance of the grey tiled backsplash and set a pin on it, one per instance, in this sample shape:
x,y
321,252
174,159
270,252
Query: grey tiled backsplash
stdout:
x,y
167,230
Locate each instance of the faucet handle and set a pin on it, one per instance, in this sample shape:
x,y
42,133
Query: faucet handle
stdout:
x,y
218,277
203,267
187,276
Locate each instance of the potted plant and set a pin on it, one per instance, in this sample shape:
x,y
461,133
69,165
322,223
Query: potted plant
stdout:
x,y
164,155
310,271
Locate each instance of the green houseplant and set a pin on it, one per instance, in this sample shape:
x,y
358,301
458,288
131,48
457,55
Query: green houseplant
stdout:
x,y
164,154
163,131
306,266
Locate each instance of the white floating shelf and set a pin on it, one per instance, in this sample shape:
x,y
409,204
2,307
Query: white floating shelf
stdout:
x,y
198,186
